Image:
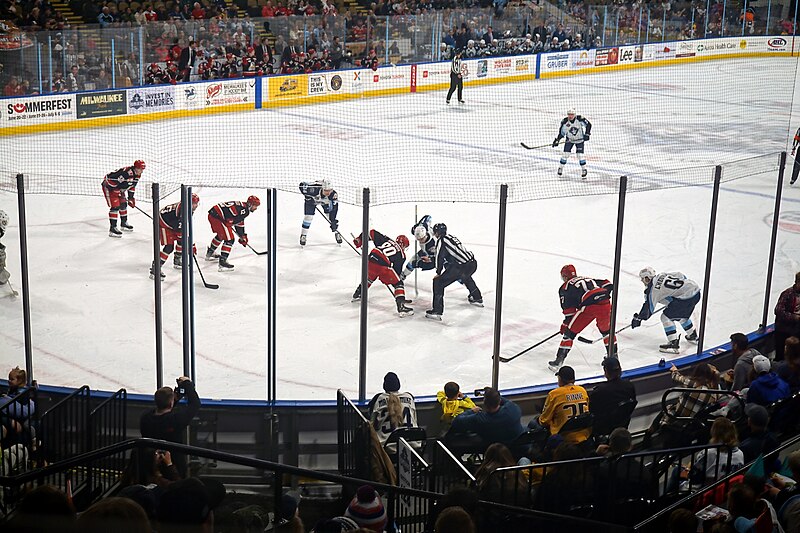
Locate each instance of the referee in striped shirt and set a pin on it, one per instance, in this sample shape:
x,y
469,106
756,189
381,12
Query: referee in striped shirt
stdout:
x,y
456,79
453,263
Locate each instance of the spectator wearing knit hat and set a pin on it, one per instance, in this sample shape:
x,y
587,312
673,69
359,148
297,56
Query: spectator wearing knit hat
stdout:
x,y
366,509
767,387
391,408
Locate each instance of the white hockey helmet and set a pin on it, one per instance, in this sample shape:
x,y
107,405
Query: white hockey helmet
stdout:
x,y
420,233
571,111
325,184
647,273
3,220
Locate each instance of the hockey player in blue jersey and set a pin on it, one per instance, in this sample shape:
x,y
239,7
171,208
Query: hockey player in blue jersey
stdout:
x,y
575,130
319,193
424,259
679,294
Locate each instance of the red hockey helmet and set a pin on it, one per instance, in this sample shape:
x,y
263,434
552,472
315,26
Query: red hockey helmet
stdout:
x,y
195,200
253,201
402,240
139,164
568,272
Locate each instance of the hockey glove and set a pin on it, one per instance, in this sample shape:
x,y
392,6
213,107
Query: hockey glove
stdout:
x,y
555,142
357,242
586,137
334,225
563,328
131,201
636,321
243,240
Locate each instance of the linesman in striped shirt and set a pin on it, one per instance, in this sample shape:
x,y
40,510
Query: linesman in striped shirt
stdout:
x,y
453,263
456,78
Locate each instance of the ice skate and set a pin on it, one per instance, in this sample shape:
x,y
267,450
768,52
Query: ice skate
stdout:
x,y
461,101
356,295
554,365
114,232
153,274
477,302
692,337
224,266
177,261
560,172
302,240
338,237
583,173
448,102
433,315
210,255
404,311
125,226
670,347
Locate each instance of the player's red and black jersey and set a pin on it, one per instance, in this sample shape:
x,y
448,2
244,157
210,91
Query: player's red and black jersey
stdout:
x,y
171,217
232,213
386,251
580,292
124,179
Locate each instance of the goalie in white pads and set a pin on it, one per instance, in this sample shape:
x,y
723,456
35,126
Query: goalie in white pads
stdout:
x,y
679,294
575,130
4,274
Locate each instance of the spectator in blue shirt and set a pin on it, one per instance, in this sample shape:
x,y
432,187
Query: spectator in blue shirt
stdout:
x,y
498,421
767,388
105,18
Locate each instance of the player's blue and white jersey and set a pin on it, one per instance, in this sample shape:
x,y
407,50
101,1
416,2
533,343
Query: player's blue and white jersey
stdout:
x,y
666,287
427,247
574,130
313,191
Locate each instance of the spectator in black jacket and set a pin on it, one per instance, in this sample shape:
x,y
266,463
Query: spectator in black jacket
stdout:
x,y
168,421
759,439
606,397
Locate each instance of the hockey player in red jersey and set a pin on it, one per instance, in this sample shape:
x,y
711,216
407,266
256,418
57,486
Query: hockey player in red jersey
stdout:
x,y
170,221
115,185
385,263
583,300
227,221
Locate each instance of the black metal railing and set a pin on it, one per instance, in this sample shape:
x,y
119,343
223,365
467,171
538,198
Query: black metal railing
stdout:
x,y
447,471
412,472
107,426
19,421
353,437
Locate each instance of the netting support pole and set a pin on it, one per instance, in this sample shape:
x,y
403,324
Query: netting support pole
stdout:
x,y
157,288
362,344
26,288
774,238
623,190
498,297
712,225
186,289
272,296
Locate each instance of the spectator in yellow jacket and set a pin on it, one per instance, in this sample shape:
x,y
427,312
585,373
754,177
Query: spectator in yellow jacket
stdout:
x,y
454,402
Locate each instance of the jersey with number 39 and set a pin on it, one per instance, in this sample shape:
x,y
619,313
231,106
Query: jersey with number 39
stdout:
x,y
580,292
664,288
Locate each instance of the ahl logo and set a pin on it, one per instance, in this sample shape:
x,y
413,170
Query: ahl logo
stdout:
x,y
136,102
336,82
213,90
778,43
189,93
788,221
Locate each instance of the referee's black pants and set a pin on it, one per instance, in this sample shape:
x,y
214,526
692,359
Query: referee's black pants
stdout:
x,y
795,167
453,273
456,81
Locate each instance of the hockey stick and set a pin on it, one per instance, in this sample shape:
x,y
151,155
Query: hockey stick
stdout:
x,y
265,252
526,350
537,147
587,341
387,287
202,277
145,213
336,231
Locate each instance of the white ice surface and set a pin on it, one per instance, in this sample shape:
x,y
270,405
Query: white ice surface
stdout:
x,y
91,299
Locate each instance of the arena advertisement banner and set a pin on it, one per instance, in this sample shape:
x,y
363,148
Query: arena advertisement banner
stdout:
x,y
522,65
581,59
720,46
38,109
433,73
317,84
151,99
482,68
101,104
230,92
280,87
606,56
555,62
502,66
386,78
627,54
686,49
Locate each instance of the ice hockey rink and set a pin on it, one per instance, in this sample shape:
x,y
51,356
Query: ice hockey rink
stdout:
x,y
92,300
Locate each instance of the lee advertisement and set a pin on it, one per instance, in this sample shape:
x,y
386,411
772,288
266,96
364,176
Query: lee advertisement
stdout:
x,y
21,111
151,99
101,104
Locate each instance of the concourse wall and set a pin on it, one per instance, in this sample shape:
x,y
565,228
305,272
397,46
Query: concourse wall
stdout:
x,y
66,111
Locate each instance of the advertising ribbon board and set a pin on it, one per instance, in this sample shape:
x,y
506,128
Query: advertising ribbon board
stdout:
x,y
101,104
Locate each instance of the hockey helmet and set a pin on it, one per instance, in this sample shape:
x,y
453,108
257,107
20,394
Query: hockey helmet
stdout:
x,y
402,240
253,201
440,229
325,184
139,164
568,272
571,111
3,220
420,233
195,201
647,273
